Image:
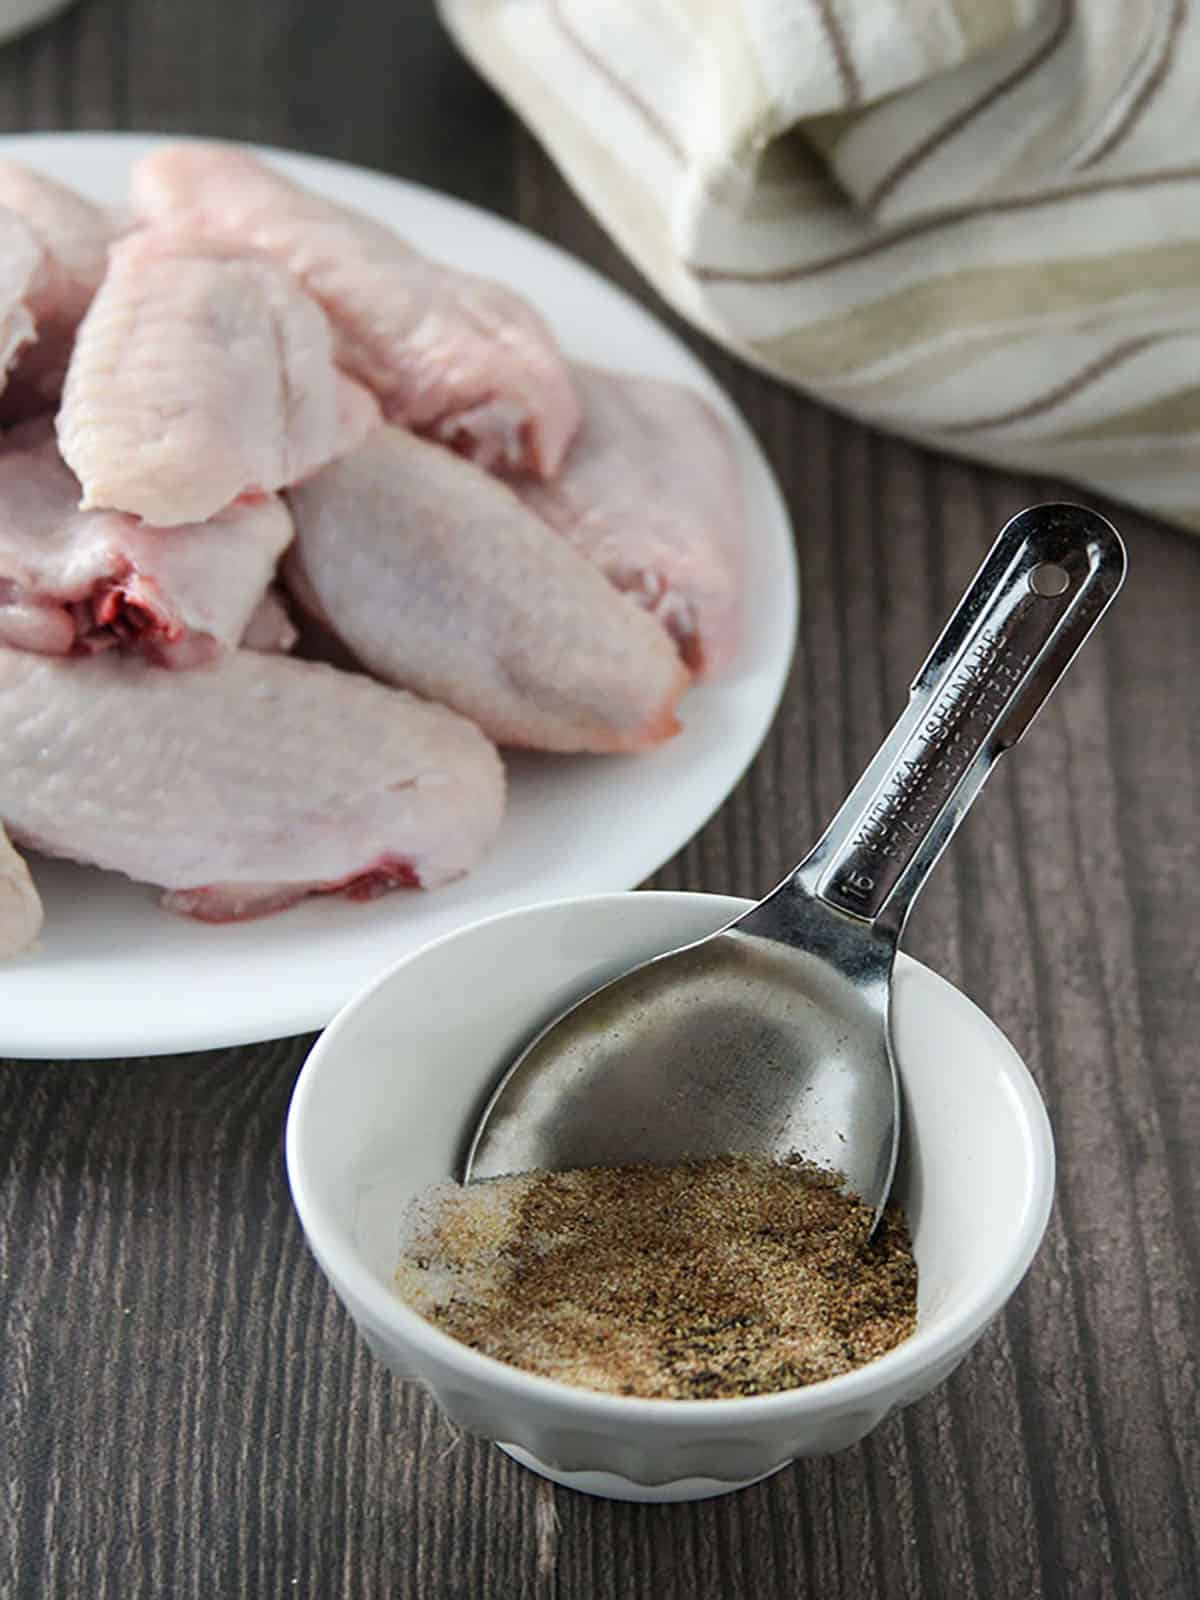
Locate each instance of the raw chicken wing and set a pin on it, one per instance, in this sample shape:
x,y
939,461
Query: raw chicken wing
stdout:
x,y
198,378
82,581
650,493
271,629
245,787
74,236
20,905
449,354
20,263
437,578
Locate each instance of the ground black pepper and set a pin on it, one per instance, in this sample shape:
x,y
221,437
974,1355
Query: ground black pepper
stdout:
x,y
707,1279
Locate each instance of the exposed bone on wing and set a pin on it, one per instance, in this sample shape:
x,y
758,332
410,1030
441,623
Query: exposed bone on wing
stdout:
x,y
82,581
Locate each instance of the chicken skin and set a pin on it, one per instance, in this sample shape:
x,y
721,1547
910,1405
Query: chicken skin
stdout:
x,y
650,494
243,787
76,582
198,378
73,236
452,355
436,578
20,904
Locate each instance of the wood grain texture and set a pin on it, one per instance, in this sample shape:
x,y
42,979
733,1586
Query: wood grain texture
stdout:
x,y
184,1409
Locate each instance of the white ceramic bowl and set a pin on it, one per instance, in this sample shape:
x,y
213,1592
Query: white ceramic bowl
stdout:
x,y
390,1090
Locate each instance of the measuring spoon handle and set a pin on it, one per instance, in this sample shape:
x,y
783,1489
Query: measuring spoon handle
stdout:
x,y
1042,588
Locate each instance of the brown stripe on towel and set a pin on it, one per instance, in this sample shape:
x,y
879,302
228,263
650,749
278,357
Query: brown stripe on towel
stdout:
x,y
884,239
1067,390
644,110
938,137
1154,81
839,46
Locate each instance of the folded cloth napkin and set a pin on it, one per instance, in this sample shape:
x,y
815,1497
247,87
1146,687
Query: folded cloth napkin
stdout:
x,y
974,222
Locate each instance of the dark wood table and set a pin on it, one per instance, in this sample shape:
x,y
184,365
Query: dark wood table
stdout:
x,y
185,1409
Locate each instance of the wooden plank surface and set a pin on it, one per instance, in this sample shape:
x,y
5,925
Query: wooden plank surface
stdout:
x,y
185,1410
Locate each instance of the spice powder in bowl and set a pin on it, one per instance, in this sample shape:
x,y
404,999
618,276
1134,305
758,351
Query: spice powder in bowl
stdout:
x,y
703,1280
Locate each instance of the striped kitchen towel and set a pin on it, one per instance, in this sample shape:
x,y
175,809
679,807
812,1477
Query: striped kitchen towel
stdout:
x,y
974,222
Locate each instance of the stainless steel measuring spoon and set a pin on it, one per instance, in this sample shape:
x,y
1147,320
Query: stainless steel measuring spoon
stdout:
x,y
771,1036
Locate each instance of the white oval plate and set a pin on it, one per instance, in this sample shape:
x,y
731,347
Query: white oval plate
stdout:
x,y
115,975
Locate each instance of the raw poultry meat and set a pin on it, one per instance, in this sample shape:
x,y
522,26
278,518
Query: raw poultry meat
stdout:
x,y
247,339
357,413
20,906
447,353
437,578
82,581
20,262
271,629
197,378
244,787
74,236
650,492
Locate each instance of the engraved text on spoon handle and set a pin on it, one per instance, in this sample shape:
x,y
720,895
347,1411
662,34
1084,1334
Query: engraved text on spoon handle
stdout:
x,y
1038,595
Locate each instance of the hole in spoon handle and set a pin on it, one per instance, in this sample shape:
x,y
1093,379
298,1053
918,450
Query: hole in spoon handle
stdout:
x,y
1040,591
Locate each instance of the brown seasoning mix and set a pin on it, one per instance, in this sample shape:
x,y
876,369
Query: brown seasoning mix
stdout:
x,y
707,1279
